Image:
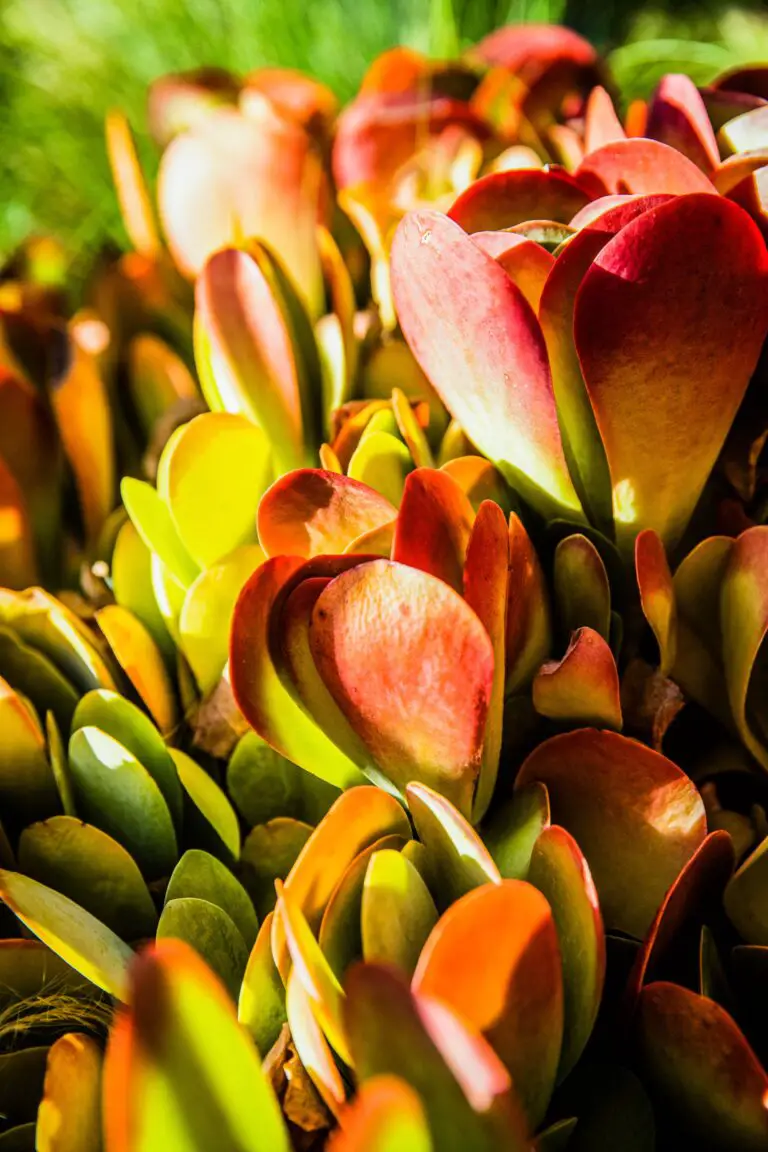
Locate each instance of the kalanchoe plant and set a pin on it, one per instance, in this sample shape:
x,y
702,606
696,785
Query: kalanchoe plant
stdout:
x,y
388,770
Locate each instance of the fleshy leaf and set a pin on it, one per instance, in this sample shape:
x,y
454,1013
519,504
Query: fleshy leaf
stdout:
x,y
364,643
464,1088
154,523
70,1115
486,578
132,193
701,1067
601,124
581,587
385,1116
525,262
127,724
248,355
179,1066
583,687
529,627
433,526
558,869
514,827
744,624
310,512
212,933
358,819
636,817
211,805
318,980
311,1045
206,615
116,793
657,595
27,784
694,894
479,343
642,278
218,185
258,690
456,859
212,476
78,938
677,116
91,869
261,1006
201,875
504,199
643,167
397,912
744,897
493,958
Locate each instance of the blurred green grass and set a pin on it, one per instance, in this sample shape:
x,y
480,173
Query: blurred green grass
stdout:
x,y
64,63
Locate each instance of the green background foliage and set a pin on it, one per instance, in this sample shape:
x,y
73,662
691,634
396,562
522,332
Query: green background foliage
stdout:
x,y
64,63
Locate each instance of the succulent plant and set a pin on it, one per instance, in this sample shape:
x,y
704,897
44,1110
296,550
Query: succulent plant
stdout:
x,y
386,770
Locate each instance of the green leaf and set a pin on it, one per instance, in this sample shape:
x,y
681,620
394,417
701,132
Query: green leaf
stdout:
x,y
201,875
269,852
262,783
212,933
206,615
116,793
78,938
261,1006
27,786
212,477
37,678
513,828
131,569
93,870
210,802
181,1074
397,913
457,858
128,725
155,525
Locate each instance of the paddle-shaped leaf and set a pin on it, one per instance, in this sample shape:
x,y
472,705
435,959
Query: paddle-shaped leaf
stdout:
x,y
701,1068
558,869
114,791
371,628
258,690
504,199
744,624
493,957
247,355
78,938
70,1115
643,167
433,526
636,817
583,687
397,911
677,116
657,595
529,626
310,512
456,859
480,345
662,443
486,579
385,1116
464,1088
582,591
179,1066
695,893
93,870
